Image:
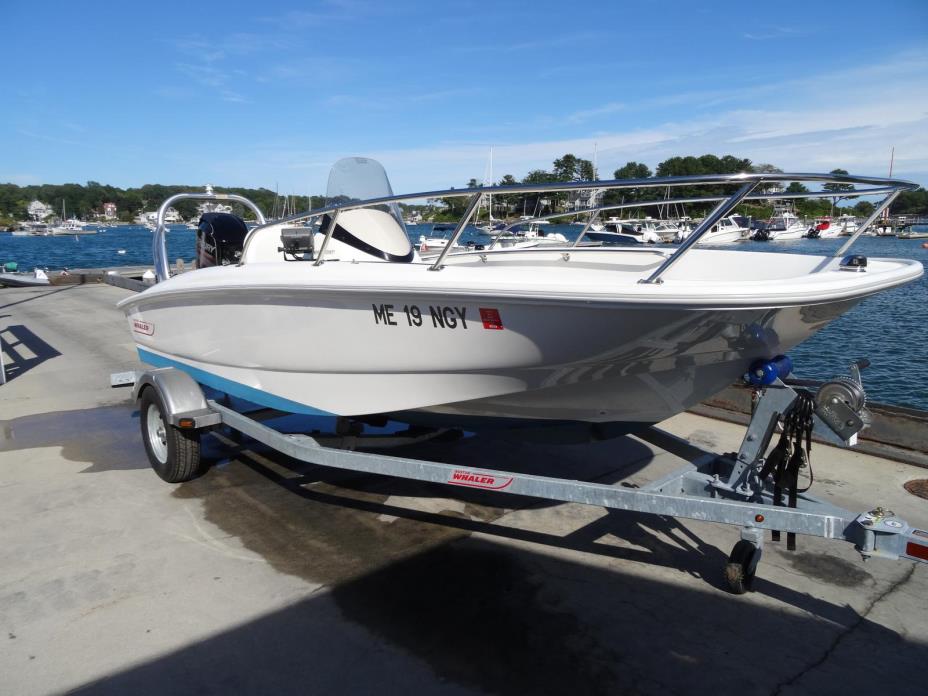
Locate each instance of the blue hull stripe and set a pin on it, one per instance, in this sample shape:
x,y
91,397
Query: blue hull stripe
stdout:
x,y
227,386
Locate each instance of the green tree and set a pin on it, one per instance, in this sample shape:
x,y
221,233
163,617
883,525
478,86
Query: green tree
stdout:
x,y
911,203
632,170
837,188
702,165
566,168
509,201
807,207
586,171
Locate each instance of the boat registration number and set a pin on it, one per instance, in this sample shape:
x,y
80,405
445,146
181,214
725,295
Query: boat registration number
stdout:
x,y
434,316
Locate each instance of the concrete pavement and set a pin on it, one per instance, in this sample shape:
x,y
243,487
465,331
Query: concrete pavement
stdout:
x,y
271,576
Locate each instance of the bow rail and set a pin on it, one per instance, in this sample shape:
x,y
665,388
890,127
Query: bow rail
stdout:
x,y
746,183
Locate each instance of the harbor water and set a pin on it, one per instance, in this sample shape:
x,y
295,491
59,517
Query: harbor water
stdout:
x,y
889,328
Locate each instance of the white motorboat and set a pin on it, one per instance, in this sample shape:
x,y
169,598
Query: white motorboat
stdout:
x,y
19,279
622,232
71,227
32,229
666,231
832,228
345,319
913,232
527,235
825,228
730,229
848,225
433,242
786,227
431,246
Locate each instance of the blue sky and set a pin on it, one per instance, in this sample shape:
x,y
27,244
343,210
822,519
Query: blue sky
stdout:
x,y
272,93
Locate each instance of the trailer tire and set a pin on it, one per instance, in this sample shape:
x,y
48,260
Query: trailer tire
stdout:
x,y
173,453
741,567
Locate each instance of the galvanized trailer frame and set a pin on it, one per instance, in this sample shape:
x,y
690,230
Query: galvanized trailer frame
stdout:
x,y
710,487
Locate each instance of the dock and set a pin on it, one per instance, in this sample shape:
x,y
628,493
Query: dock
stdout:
x,y
275,577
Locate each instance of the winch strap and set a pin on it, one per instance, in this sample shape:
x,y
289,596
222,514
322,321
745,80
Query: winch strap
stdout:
x,y
789,456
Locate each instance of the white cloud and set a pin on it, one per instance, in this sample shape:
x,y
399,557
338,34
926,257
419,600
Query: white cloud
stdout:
x,y
849,118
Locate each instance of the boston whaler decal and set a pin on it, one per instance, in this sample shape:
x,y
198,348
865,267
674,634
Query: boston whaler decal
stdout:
x,y
142,327
479,479
438,316
491,319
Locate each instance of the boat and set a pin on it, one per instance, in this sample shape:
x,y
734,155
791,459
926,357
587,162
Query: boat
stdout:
x,y
432,242
847,224
782,228
913,232
435,244
414,219
343,318
826,228
830,228
526,235
12,278
69,226
730,229
615,231
666,231
491,224
32,229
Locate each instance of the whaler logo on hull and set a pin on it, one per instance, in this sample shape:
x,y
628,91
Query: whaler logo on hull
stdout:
x,y
478,479
142,327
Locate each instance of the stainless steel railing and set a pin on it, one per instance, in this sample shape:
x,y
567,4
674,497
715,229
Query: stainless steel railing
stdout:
x,y
746,184
159,242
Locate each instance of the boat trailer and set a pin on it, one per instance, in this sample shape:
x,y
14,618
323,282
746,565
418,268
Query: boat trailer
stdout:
x,y
729,489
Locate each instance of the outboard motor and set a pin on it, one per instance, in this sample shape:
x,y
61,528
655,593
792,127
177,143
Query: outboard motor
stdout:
x,y
220,239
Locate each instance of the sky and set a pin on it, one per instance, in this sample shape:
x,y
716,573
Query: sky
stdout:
x,y
273,93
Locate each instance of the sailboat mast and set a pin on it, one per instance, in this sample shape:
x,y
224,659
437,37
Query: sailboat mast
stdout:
x,y
490,183
892,157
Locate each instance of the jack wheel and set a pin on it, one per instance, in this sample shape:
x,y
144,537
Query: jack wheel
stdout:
x,y
173,453
741,567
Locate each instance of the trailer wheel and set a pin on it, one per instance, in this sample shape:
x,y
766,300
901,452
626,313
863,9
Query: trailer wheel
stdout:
x,y
173,453
741,567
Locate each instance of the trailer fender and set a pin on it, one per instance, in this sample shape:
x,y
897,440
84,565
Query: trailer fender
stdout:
x,y
184,403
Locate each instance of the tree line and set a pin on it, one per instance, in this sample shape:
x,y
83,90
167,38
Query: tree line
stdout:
x,y
86,201
572,168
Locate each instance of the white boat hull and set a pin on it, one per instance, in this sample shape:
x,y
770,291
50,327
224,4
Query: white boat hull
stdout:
x,y
332,340
23,280
790,233
724,236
